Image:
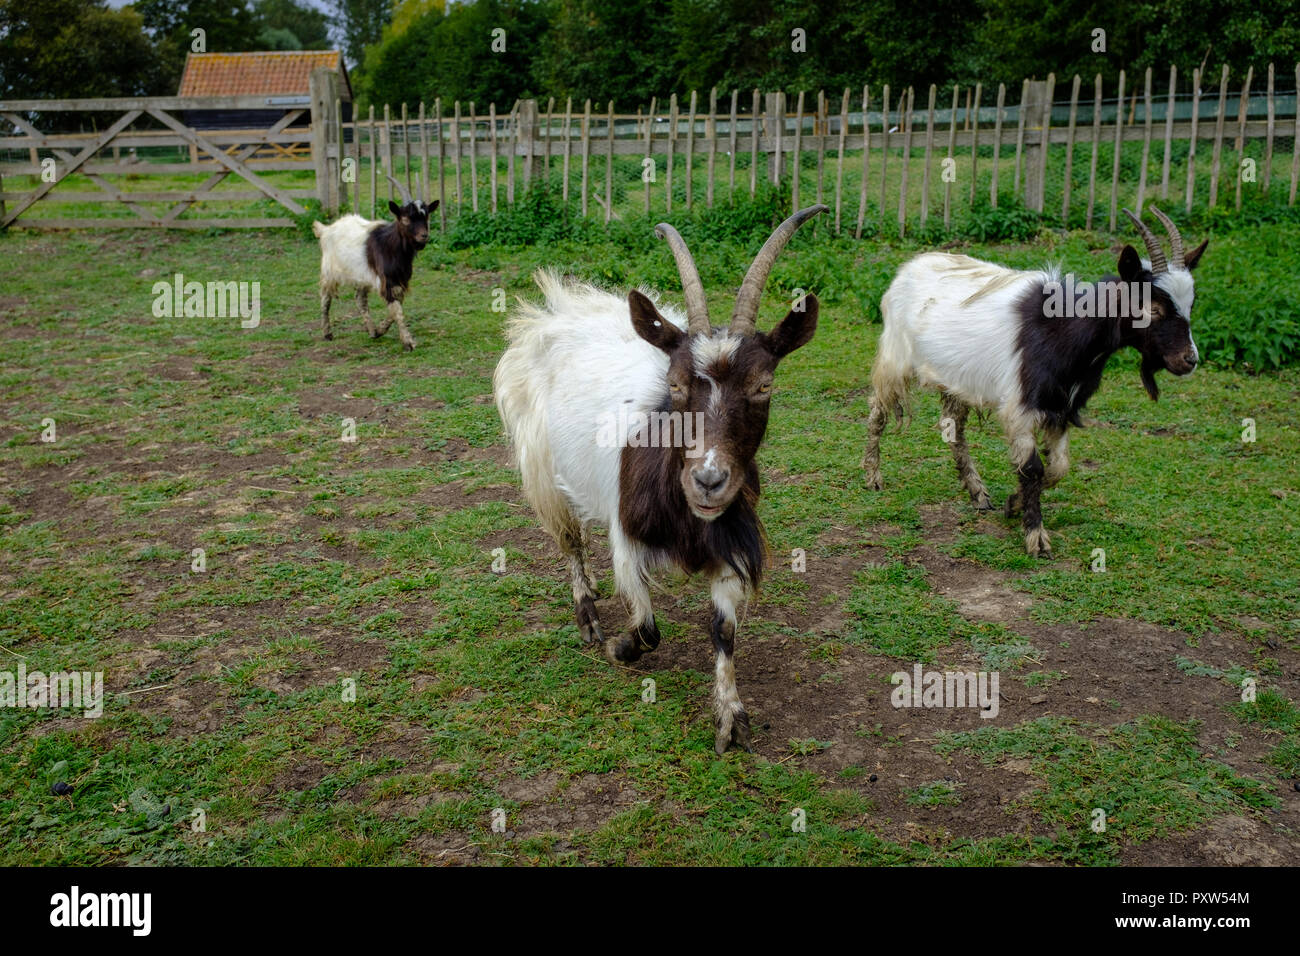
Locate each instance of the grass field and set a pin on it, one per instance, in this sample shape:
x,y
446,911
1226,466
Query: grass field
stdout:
x,y
371,561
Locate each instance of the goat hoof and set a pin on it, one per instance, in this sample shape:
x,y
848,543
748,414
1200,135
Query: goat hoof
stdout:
x,y
409,346
588,621
591,632
329,336
623,649
982,502
1037,544
733,731
873,479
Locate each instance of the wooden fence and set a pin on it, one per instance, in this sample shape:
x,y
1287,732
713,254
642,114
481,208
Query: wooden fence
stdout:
x,y
843,152
881,158
98,155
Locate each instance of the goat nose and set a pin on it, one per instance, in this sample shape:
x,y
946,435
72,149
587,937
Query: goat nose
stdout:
x,y
710,479
1191,358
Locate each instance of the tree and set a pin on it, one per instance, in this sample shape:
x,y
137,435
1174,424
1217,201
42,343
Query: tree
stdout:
x,y
73,48
453,56
229,26
601,49
309,26
361,23
1015,39
278,38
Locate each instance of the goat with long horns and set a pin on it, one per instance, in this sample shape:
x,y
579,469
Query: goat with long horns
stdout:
x,y
1030,346
649,427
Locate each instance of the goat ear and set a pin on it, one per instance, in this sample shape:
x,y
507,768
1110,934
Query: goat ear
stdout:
x,y
796,329
434,205
1194,256
395,209
1130,264
650,325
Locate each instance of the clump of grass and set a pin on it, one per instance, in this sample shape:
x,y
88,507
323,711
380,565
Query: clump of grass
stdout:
x,y
1278,716
894,611
1149,777
937,793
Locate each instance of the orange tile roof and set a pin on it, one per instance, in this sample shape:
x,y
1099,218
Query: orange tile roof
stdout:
x,y
286,72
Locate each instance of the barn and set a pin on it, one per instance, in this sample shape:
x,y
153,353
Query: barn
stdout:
x,y
282,76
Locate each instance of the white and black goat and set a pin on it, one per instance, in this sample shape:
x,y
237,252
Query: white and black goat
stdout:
x,y
628,414
373,256
1030,346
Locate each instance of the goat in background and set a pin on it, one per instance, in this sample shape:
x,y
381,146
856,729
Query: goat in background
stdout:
x,y
373,256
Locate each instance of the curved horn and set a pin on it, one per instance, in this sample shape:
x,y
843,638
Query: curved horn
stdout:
x,y
1158,264
697,310
1175,240
745,313
406,196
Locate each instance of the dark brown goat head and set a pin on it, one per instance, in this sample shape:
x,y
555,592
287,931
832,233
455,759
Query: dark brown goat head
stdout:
x,y
1164,336
412,216
413,220
722,377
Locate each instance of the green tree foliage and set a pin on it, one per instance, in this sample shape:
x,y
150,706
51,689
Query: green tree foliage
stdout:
x,y
814,44
360,23
229,26
308,26
630,50
73,48
451,55
1014,39
609,48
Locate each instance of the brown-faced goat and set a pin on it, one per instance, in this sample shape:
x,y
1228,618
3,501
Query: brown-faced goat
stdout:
x,y
373,256
628,414
1029,345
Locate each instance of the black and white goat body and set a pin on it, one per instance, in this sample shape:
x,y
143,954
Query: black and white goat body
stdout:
x,y
373,256
1030,346
628,414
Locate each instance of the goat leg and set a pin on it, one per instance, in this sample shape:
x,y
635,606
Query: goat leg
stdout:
x,y
630,580
730,719
407,339
871,455
953,427
573,543
363,306
1031,473
325,299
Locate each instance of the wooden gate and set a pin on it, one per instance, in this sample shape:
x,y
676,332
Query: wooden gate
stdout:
x,y
215,154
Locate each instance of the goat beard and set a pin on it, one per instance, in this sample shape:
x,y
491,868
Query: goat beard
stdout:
x,y
1149,369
